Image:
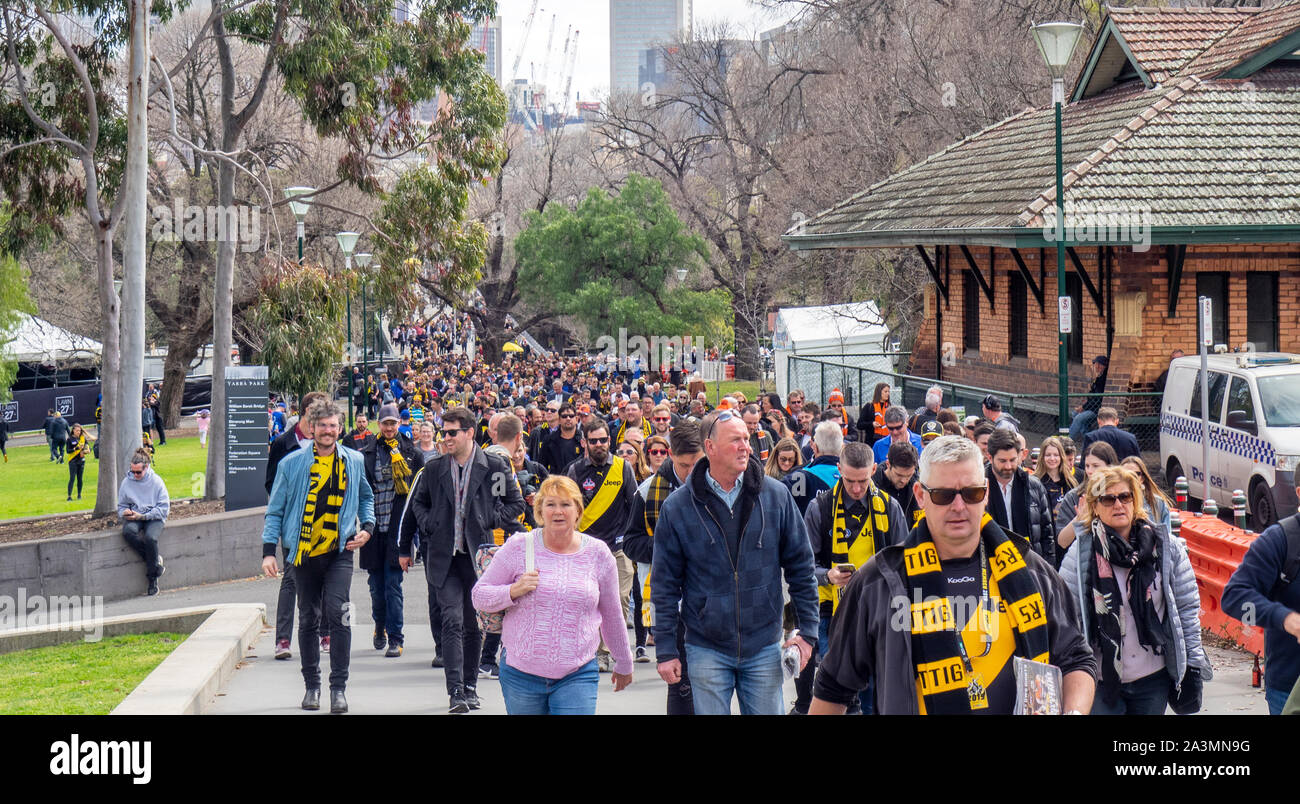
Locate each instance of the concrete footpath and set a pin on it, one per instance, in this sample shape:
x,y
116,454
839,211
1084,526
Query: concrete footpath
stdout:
x,y
408,685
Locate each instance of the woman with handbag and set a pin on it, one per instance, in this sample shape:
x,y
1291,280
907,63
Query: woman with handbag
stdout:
x,y
1140,604
559,591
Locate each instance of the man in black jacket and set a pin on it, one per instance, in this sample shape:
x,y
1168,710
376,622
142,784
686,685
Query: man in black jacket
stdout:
x,y
562,443
58,434
392,460
1124,442
457,502
289,441
971,575
896,476
608,494
1017,500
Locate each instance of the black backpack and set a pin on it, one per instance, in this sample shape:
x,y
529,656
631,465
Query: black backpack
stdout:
x,y
1291,566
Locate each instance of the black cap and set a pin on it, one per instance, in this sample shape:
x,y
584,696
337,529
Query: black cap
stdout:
x,y
991,402
931,429
1102,359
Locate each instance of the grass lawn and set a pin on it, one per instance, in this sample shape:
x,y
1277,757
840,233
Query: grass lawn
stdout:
x,y
747,387
30,485
80,678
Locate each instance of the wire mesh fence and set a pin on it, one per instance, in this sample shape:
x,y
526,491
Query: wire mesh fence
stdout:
x,y
1037,413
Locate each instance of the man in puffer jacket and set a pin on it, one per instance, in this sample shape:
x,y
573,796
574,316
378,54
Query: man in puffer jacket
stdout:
x,y
721,545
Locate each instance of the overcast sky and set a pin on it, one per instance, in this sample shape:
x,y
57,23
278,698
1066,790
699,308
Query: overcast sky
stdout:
x,y
591,17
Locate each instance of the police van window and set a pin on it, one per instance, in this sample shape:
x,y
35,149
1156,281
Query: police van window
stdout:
x,y
1218,382
1239,398
1279,397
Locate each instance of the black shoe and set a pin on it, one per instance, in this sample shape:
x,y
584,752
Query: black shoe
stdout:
x,y
381,639
394,650
338,703
153,587
471,698
161,567
311,701
459,705
437,659
69,498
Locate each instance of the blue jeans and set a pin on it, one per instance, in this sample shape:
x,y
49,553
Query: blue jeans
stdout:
x,y
755,681
1146,696
527,694
386,601
1084,421
1276,699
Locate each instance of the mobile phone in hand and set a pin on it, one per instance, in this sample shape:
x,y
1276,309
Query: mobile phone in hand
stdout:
x,y
849,568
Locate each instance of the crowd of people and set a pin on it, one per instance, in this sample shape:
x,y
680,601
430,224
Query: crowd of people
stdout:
x,y
895,562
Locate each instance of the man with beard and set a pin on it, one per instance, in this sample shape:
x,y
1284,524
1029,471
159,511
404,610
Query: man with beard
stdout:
x,y
391,462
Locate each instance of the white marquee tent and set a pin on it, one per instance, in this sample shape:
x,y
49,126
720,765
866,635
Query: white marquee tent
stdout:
x,y
829,332
39,341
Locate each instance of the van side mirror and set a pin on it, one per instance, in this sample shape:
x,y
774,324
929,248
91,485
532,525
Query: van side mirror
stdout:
x,y
1237,420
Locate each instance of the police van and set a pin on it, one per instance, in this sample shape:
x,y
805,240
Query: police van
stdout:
x,y
1254,425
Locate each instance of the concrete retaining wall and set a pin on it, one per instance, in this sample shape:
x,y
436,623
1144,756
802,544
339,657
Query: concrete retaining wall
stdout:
x,y
197,550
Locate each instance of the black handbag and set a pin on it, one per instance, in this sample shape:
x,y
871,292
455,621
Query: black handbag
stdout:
x,y
1187,700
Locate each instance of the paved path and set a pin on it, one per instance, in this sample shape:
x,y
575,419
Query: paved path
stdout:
x,y
408,685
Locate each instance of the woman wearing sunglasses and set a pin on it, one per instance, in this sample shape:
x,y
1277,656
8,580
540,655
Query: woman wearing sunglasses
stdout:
x,y
656,452
1140,604
785,458
631,453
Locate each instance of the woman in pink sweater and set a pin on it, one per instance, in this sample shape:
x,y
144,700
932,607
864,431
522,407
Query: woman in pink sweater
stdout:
x,y
557,610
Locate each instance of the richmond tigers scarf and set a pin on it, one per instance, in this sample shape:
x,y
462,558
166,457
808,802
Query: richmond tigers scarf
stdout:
x,y
944,684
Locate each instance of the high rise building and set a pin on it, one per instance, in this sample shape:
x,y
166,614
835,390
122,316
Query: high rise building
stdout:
x,y
636,25
487,38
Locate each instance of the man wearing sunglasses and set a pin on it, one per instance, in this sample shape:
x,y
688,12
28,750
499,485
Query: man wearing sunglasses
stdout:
x,y
456,504
608,493
721,546
896,424
932,624
563,444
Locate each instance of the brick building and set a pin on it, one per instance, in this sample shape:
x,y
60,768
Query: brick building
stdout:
x,y
1181,147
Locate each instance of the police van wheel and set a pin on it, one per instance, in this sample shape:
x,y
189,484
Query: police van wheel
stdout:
x,y
1262,507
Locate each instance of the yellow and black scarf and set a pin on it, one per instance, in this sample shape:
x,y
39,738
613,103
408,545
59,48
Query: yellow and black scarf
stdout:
x,y
401,469
855,549
319,534
948,680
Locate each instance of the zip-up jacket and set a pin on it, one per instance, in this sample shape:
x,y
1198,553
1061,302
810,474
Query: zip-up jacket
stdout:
x,y
730,604
638,543
283,524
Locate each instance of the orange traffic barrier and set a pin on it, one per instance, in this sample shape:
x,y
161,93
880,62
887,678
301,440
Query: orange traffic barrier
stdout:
x,y
1216,549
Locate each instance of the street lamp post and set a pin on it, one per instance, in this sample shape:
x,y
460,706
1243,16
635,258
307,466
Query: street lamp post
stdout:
x,y
363,259
348,242
299,211
1056,41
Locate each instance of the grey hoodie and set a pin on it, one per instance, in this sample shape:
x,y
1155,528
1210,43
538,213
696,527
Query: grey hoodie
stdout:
x,y
146,495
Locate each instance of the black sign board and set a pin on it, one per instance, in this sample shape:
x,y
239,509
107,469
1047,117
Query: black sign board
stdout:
x,y
246,436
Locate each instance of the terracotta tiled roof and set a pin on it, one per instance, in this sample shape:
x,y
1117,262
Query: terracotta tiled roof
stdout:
x,y
1164,39
1194,151
1254,34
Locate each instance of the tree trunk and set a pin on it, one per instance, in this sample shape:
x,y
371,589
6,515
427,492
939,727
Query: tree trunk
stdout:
x,y
222,336
127,426
180,353
110,473
747,366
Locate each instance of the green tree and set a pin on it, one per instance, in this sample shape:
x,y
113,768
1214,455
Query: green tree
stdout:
x,y
612,263
14,306
299,317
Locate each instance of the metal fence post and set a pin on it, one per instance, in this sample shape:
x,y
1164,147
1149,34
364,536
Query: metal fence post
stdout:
x,y
821,386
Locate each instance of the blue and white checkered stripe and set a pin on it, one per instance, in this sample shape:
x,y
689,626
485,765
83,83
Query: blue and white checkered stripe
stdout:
x,y
1233,442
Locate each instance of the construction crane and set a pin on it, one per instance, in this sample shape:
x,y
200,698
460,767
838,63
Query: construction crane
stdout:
x,y
516,97
546,60
568,77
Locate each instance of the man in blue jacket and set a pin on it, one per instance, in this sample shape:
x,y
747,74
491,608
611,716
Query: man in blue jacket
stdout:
x,y
319,497
1257,595
722,542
